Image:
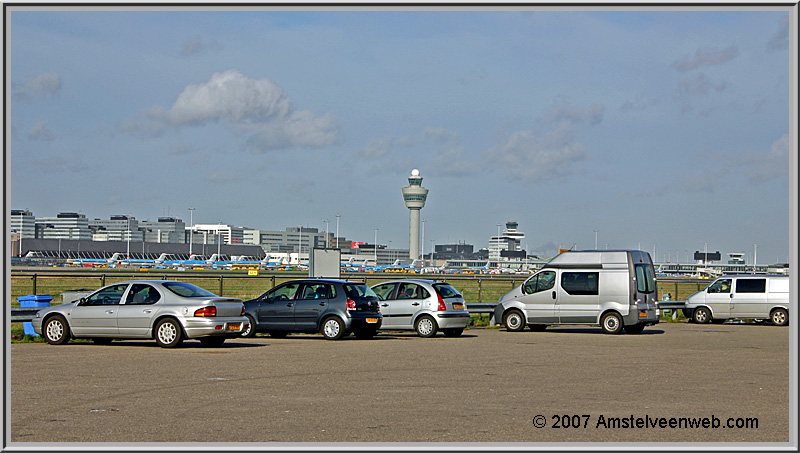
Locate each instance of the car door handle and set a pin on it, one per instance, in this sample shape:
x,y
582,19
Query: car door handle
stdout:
x,y
554,295
148,311
384,305
415,303
290,304
109,312
322,304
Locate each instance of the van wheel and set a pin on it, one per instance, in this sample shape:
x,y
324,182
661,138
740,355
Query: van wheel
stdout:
x,y
634,329
701,315
779,317
611,323
514,321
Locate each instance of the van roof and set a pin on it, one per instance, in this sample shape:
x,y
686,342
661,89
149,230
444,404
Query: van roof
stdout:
x,y
597,258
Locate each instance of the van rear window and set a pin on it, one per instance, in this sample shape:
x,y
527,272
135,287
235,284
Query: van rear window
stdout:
x,y
645,278
751,285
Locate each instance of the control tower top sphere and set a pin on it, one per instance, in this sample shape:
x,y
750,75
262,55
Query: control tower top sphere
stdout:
x,y
414,195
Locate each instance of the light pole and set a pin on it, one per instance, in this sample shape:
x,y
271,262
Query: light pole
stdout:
x,y
595,239
219,238
497,242
327,235
755,256
337,230
128,254
422,243
300,245
191,228
433,261
375,248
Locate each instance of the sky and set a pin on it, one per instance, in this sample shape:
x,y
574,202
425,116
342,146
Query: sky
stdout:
x,y
667,131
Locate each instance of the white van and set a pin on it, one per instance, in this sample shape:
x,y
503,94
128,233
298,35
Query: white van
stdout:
x,y
741,297
614,289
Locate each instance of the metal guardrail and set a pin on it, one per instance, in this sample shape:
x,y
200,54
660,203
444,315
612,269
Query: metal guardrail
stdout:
x,y
23,314
670,304
20,314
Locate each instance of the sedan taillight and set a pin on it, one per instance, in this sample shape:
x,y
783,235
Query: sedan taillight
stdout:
x,y
242,314
206,312
442,306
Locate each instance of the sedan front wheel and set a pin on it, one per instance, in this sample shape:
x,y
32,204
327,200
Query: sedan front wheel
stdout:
x,y
56,330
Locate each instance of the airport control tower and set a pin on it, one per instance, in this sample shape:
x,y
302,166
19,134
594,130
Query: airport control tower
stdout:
x,y
414,196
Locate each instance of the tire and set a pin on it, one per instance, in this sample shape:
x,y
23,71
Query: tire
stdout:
x,y
701,315
537,327
364,334
168,333
103,341
278,334
56,330
514,321
452,332
611,323
250,332
779,317
634,329
426,326
212,342
332,328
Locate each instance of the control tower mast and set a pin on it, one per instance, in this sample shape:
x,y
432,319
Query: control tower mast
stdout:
x,y
414,195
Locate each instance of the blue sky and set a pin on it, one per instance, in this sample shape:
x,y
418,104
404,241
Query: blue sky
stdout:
x,y
665,130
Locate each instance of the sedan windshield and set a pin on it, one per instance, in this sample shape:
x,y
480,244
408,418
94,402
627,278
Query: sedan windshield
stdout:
x,y
187,289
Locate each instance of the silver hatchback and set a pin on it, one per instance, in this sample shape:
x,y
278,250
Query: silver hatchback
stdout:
x,y
167,311
425,306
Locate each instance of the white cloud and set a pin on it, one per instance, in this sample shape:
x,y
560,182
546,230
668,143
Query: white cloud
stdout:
x,y
532,155
197,45
780,40
760,167
706,57
564,112
257,106
699,85
40,132
39,86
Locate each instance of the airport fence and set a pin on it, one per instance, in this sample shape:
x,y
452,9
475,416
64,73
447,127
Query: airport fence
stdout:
x,y
478,288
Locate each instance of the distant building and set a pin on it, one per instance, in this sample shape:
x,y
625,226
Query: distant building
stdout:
x,y
117,228
215,234
290,240
65,225
168,230
453,252
509,240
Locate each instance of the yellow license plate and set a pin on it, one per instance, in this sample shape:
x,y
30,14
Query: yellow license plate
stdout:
x,y
234,326
372,320
458,306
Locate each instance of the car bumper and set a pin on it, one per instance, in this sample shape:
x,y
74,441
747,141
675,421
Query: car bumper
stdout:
x,y
204,327
453,320
365,321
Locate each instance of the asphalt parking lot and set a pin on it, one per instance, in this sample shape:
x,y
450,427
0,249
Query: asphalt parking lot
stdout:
x,y
487,386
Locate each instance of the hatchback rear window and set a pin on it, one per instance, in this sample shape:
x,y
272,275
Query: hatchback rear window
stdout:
x,y
355,290
446,291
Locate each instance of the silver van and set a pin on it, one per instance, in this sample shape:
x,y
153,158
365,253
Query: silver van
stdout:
x,y
614,289
741,297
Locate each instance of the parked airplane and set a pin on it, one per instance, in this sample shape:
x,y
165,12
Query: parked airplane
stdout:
x,y
115,259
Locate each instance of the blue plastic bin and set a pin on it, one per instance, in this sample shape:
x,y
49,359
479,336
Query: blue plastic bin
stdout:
x,y
33,301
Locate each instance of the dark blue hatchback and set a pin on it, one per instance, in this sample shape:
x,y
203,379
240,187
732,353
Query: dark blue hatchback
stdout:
x,y
334,308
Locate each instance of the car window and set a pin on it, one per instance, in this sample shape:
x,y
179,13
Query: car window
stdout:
x,y
720,286
187,289
645,278
408,291
358,290
318,291
540,282
580,283
385,290
751,285
446,291
141,294
107,296
285,292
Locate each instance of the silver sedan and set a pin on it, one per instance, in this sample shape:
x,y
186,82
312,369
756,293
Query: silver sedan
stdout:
x,y
167,311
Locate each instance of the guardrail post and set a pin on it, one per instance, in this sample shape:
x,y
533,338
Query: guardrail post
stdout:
x,y
220,285
272,279
34,283
102,280
480,290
